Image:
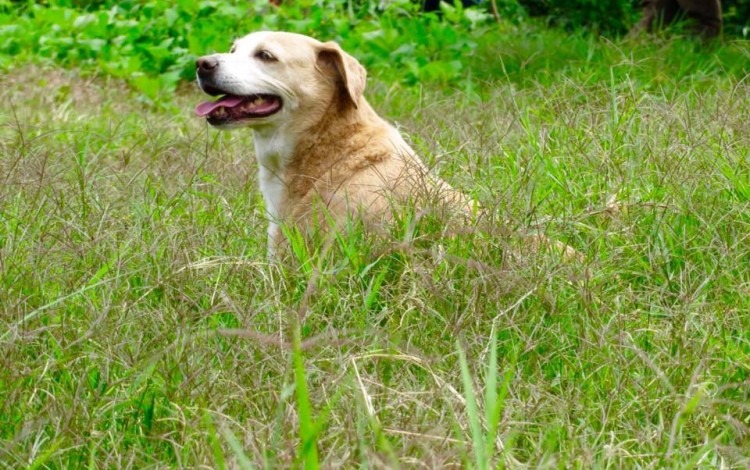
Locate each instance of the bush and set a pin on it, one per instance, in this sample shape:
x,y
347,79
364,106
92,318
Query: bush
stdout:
x,y
601,16
615,17
153,44
736,18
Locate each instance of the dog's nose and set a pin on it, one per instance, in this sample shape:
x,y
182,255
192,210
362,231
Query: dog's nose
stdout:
x,y
206,65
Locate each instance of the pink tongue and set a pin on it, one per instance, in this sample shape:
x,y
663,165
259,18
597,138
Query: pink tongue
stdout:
x,y
225,101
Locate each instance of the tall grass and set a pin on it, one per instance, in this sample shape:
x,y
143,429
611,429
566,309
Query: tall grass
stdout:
x,y
141,324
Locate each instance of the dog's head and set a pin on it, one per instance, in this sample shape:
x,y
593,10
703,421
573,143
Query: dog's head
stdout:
x,y
268,78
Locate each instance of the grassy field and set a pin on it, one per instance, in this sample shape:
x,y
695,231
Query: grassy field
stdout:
x,y
142,326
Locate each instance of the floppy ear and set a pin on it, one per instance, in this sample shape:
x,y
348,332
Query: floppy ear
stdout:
x,y
349,73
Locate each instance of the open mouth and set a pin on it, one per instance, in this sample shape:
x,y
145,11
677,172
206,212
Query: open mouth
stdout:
x,y
230,108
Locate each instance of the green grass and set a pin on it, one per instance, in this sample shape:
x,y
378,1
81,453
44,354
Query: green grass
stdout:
x,y
141,324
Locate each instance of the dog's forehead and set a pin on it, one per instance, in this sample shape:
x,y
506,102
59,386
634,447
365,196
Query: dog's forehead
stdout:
x,y
290,42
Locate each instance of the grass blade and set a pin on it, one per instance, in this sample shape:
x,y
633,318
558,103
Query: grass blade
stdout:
x,y
242,458
308,450
480,458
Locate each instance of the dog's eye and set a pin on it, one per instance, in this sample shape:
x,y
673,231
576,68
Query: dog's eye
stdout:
x,y
265,56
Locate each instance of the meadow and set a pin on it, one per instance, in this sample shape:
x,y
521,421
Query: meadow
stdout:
x,y
143,326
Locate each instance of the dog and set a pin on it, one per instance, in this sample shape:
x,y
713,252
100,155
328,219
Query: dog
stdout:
x,y
318,142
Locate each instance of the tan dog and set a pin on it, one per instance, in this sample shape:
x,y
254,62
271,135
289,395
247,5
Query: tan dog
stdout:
x,y
317,140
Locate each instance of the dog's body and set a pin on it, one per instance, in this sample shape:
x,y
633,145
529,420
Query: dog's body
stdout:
x,y
317,140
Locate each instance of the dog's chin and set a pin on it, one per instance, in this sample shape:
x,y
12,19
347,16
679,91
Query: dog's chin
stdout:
x,y
227,122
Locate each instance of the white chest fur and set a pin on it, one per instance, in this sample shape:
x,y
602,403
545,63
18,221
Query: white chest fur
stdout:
x,y
273,150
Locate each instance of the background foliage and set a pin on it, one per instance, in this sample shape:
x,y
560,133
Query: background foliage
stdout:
x,y
153,44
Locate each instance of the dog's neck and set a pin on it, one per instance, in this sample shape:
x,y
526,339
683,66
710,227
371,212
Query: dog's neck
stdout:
x,y
334,127
273,148
291,161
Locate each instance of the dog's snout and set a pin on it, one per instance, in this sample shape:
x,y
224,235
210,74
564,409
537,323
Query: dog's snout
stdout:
x,y
206,65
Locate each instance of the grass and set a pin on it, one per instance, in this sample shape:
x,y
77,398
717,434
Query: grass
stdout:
x,y
141,324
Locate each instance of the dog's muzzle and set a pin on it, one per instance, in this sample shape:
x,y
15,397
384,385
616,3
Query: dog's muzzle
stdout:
x,y
230,107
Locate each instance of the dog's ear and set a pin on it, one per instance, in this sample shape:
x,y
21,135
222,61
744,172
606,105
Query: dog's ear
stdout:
x,y
349,73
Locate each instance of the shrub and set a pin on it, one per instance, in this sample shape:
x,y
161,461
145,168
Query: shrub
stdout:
x,y
604,16
153,44
736,18
617,16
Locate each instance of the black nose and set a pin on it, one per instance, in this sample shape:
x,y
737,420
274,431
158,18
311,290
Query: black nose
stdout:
x,y
206,65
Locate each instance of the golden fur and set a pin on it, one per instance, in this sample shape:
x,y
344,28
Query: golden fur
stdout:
x,y
326,145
